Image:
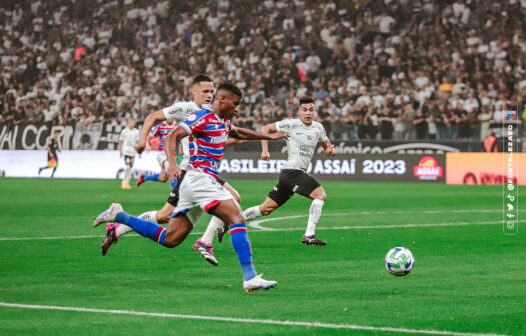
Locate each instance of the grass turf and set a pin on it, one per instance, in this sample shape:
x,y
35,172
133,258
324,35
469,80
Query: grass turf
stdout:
x,y
467,278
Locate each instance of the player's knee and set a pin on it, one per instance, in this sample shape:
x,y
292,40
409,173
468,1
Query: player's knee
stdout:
x,y
171,243
319,194
163,178
238,218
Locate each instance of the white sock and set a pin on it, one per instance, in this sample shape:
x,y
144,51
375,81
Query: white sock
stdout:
x,y
252,213
314,216
211,229
122,229
150,216
127,174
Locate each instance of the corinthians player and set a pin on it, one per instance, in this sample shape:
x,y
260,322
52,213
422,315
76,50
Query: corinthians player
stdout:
x,y
304,134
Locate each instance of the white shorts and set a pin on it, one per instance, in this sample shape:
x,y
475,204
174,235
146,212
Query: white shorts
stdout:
x,y
163,161
197,193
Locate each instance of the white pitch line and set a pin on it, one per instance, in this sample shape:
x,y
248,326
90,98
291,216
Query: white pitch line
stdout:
x,y
259,228
256,224
245,320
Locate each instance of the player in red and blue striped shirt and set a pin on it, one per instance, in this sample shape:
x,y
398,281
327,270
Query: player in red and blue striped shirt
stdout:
x,y
160,130
198,187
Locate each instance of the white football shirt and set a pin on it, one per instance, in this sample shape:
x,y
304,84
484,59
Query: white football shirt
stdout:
x,y
179,111
302,141
129,138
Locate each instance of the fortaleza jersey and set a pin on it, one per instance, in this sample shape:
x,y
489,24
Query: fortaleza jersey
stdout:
x,y
209,134
162,130
302,141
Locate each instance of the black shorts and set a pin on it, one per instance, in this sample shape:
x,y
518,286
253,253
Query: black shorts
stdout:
x,y
174,194
128,160
292,181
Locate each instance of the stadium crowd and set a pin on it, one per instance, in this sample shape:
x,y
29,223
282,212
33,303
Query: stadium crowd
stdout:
x,y
392,69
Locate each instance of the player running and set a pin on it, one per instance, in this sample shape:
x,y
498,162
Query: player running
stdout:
x,y
202,91
198,187
52,158
160,130
304,134
127,140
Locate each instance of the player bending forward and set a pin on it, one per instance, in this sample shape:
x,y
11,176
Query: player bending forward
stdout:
x,y
202,92
198,187
304,134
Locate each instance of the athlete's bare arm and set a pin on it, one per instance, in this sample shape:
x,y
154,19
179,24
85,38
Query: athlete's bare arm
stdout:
x,y
328,148
232,141
267,129
149,122
119,146
247,134
171,145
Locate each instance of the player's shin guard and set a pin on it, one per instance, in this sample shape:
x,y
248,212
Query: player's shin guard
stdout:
x,y
252,213
314,216
211,229
151,230
241,244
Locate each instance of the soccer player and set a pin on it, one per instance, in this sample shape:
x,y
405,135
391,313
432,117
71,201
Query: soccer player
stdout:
x,y
161,130
202,91
52,158
127,140
198,187
304,134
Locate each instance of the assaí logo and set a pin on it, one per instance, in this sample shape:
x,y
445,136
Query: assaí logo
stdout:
x,y
427,169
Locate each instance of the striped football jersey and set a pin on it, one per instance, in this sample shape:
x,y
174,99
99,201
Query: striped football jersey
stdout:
x,y
209,134
162,130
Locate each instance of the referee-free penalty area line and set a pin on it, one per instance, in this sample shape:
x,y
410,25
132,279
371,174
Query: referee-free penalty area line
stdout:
x,y
244,320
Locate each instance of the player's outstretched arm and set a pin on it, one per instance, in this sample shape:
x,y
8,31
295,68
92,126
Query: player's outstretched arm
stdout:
x,y
247,134
171,147
149,122
328,148
232,141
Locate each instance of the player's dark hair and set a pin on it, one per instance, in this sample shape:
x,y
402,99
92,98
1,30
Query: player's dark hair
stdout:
x,y
201,78
306,100
230,88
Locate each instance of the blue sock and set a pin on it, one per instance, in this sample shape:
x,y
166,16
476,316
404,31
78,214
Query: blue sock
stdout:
x,y
151,230
154,177
173,182
240,242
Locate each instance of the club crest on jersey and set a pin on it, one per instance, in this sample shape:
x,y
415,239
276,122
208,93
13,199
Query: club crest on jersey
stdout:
x,y
192,117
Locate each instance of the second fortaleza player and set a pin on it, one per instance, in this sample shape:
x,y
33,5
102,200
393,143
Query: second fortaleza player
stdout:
x,y
198,187
160,130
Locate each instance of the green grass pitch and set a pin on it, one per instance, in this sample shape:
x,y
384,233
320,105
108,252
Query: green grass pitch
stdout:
x,y
468,278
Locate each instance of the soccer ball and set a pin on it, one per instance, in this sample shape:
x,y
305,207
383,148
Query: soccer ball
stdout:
x,y
399,261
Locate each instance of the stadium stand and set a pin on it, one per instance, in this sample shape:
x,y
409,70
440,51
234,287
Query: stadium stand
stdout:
x,y
392,69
